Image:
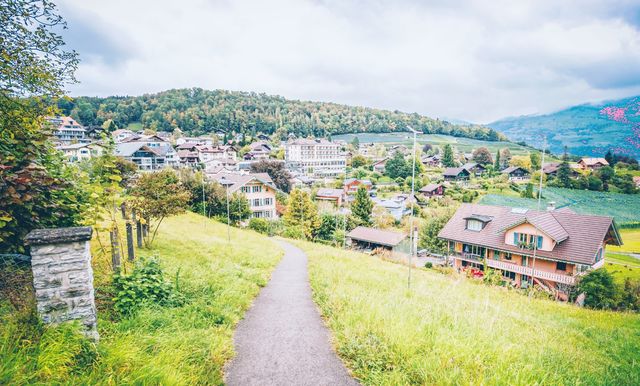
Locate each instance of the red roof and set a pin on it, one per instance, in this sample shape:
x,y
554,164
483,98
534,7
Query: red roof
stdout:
x,y
578,236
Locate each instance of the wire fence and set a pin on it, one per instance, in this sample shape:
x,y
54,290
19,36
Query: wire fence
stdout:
x,y
16,281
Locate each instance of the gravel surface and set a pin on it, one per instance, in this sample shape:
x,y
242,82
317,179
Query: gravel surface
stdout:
x,y
282,340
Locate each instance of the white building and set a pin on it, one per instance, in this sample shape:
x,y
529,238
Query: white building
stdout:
x,y
81,151
67,130
148,152
315,157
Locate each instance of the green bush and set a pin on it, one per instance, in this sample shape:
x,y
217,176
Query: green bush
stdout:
x,y
294,232
145,285
428,264
600,289
259,225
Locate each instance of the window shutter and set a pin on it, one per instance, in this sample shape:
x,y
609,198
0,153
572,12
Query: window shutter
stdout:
x,y
515,238
539,242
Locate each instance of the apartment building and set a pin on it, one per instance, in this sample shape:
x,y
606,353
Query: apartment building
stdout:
x,y
315,157
67,130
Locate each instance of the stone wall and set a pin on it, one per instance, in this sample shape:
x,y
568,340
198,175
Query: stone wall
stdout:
x,y
62,276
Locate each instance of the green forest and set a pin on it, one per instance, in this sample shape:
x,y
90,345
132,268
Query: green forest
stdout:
x,y
197,111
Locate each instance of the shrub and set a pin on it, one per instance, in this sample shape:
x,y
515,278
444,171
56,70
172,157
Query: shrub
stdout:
x,y
294,232
259,225
428,264
600,289
493,277
145,285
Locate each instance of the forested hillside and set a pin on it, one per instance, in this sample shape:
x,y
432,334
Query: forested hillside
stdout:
x,y
197,111
589,129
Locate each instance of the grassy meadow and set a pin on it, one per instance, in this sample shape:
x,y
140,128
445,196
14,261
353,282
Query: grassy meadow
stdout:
x,y
622,266
625,208
631,240
449,330
187,344
465,145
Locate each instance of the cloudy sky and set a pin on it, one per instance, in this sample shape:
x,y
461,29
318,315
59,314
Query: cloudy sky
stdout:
x,y
464,59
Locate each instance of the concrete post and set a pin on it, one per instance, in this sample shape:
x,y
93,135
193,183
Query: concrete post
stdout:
x,y
63,277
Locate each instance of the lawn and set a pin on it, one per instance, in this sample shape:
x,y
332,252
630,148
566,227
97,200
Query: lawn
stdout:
x,y
625,208
631,240
463,144
134,126
622,266
449,330
188,344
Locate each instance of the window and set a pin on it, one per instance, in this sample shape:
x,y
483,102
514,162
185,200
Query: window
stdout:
x,y
560,266
474,225
245,189
507,256
256,202
524,238
509,275
256,188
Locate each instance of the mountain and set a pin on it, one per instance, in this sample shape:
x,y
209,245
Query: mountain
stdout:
x,y
197,111
588,129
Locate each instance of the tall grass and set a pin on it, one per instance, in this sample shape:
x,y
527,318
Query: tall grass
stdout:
x,y
158,345
447,330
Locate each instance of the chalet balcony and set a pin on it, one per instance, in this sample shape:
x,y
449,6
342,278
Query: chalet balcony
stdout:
x,y
545,275
506,266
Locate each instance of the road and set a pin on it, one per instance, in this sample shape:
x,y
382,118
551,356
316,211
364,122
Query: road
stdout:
x,y
282,340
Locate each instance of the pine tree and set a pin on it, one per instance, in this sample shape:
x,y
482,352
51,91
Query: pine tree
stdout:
x,y
564,171
447,158
497,163
362,206
301,212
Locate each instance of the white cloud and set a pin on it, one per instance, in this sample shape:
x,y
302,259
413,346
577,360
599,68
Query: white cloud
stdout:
x,y
474,60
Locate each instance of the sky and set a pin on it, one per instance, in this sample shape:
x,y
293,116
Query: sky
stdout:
x,y
470,60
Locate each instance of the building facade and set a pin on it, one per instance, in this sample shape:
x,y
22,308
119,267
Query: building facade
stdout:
x,y
315,157
549,249
68,130
257,187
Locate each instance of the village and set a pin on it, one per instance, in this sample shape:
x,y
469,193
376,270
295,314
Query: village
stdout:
x,y
319,193
531,248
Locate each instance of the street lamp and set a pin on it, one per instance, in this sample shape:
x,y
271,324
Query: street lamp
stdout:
x,y
413,184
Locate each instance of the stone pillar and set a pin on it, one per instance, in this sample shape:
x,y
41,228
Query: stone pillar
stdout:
x,y
62,276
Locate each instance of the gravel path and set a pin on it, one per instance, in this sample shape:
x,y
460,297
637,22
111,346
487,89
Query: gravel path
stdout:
x,y
282,340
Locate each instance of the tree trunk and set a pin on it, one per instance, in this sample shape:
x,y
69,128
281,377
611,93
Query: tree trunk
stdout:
x,y
130,251
123,210
115,250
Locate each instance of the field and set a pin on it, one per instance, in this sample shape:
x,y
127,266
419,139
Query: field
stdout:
x,y
448,330
622,266
631,238
134,126
465,145
625,208
160,345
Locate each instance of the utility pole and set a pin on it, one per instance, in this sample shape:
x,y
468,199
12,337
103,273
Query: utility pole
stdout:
x,y
413,183
535,245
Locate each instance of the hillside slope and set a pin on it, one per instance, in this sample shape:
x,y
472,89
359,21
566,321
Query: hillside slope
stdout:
x,y
183,345
589,129
199,111
448,330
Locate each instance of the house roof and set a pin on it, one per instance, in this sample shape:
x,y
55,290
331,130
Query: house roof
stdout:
x,y
429,188
512,169
471,165
377,236
328,192
237,181
594,161
350,181
578,236
75,146
454,172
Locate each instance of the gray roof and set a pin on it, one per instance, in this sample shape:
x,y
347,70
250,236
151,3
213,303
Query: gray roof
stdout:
x,y
454,172
377,236
512,169
237,181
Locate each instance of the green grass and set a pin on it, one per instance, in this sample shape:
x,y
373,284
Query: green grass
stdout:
x,y
463,144
625,208
449,330
622,266
134,126
160,345
631,241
